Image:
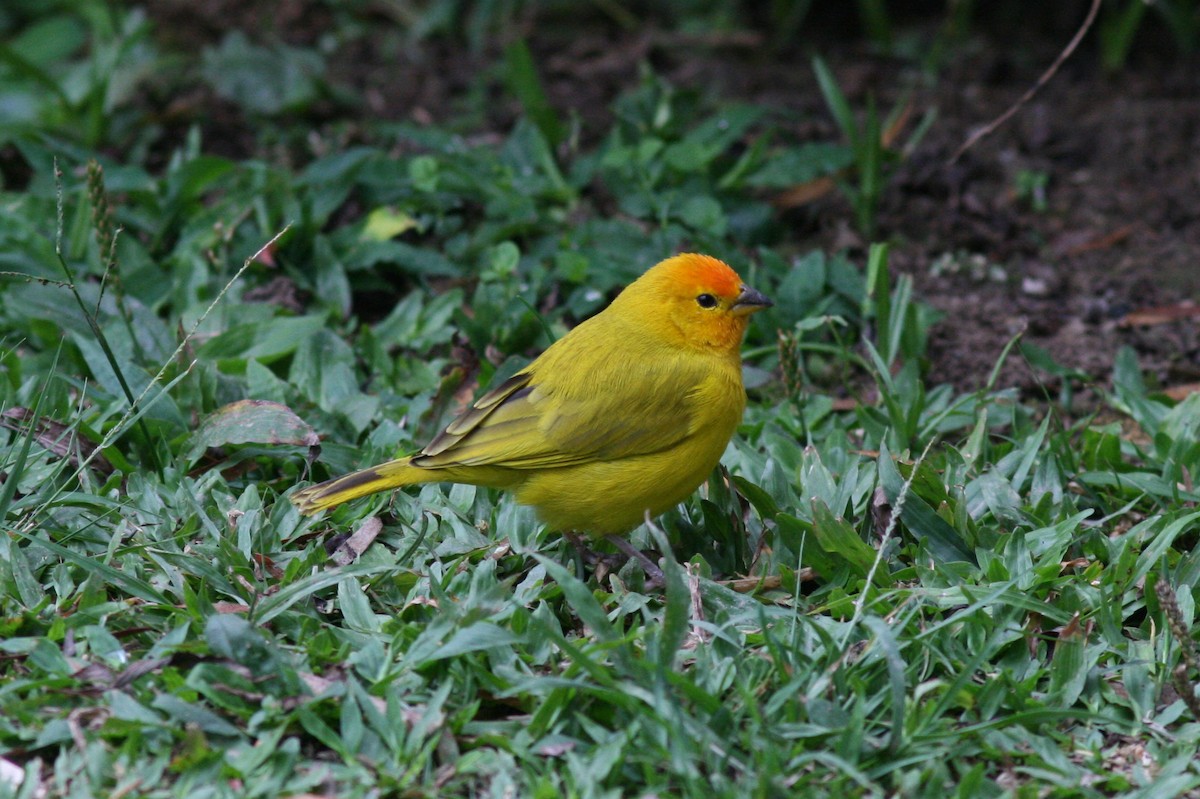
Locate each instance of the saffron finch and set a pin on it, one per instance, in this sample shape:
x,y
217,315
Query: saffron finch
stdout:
x,y
621,418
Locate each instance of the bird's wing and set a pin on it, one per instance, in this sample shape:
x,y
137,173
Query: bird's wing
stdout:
x,y
612,410
512,395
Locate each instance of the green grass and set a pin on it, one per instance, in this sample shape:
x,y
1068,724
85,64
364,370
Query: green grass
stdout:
x,y
931,594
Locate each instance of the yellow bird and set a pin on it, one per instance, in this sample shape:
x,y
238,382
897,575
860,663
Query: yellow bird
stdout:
x,y
620,419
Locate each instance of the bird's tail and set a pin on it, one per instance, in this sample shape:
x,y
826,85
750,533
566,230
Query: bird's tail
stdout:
x,y
332,493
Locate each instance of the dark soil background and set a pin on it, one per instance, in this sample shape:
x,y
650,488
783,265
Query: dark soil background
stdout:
x,y
1111,259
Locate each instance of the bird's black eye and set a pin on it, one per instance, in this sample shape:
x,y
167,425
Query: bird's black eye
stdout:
x,y
707,301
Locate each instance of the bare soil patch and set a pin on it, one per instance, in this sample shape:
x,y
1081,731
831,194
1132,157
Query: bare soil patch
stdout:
x,y
1117,231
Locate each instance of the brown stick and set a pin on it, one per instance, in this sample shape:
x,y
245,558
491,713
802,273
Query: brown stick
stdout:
x,y
989,128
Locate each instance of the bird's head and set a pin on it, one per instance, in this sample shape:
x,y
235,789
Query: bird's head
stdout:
x,y
696,300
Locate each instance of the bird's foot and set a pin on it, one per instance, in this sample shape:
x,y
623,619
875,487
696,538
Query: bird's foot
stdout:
x,y
606,563
654,575
591,557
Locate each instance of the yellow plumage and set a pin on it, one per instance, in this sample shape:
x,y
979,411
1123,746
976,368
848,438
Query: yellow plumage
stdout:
x,y
625,415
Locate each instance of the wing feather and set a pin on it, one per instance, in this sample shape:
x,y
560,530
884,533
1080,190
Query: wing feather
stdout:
x,y
513,389
611,410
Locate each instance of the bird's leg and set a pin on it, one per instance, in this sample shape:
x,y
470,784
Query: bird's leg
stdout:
x,y
589,556
654,573
585,554
581,560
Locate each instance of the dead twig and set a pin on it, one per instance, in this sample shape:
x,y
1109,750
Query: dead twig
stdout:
x,y
989,128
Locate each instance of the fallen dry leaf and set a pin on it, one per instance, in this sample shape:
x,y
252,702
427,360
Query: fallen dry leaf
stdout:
x,y
56,437
1160,315
804,193
1076,243
350,549
1181,392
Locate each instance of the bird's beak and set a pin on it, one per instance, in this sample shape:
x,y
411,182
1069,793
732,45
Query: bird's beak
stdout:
x,y
749,301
